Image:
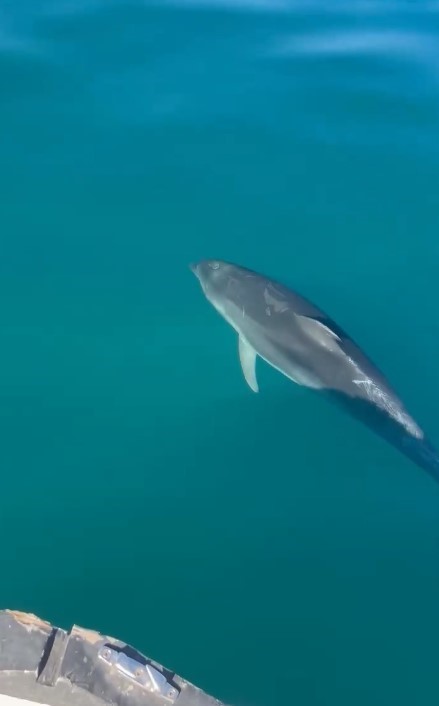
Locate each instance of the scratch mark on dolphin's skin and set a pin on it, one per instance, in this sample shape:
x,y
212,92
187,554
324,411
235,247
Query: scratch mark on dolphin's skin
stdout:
x,y
279,305
384,402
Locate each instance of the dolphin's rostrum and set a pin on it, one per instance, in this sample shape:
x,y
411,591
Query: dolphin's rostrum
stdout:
x,y
302,342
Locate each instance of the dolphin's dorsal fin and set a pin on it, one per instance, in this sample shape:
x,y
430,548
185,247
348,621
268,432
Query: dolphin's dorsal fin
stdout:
x,y
319,332
247,356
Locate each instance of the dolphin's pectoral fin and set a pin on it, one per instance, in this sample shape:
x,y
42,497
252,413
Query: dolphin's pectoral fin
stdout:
x,y
247,356
319,332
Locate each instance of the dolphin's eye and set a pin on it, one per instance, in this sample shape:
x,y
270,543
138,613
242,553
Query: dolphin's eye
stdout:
x,y
214,265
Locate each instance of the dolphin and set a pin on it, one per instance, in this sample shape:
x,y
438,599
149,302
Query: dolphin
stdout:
x,y
303,343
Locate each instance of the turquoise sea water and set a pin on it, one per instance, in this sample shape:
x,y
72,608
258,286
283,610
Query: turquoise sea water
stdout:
x,y
264,546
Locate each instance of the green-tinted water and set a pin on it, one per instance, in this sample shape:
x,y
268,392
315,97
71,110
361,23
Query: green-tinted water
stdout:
x,y
264,546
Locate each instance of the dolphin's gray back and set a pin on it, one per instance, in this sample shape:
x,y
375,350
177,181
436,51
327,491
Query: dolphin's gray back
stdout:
x,y
276,315
293,334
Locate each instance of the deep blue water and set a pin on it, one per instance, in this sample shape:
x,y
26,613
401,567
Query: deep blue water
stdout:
x,y
264,546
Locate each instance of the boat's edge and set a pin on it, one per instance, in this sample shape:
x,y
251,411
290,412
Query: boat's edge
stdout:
x,y
45,664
